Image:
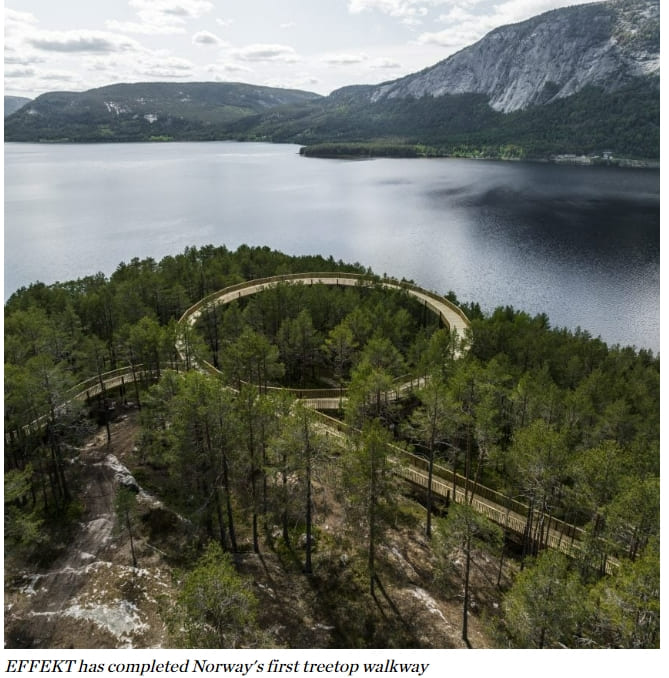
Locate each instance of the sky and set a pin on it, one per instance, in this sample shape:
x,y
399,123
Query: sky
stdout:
x,y
314,45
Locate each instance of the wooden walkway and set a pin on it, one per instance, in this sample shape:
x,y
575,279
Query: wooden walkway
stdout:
x,y
501,509
85,390
506,512
449,314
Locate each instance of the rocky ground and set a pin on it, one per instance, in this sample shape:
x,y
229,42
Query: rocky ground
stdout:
x,y
92,596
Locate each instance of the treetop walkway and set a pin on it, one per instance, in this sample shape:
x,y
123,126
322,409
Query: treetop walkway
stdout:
x,y
449,314
501,509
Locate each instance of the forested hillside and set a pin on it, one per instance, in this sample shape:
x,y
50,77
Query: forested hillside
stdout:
x,y
580,80
13,104
149,111
261,498
624,123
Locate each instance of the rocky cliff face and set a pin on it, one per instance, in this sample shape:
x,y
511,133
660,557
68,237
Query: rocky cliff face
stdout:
x,y
548,57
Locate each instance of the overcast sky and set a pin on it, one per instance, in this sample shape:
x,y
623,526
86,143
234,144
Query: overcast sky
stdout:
x,y
316,45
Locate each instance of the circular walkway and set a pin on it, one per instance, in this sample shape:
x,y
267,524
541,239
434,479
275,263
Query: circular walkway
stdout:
x,y
328,399
449,313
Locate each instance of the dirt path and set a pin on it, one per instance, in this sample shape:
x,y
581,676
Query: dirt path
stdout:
x,y
91,597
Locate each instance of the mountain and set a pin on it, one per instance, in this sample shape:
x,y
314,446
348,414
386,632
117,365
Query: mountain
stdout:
x,y
577,80
131,112
12,104
548,57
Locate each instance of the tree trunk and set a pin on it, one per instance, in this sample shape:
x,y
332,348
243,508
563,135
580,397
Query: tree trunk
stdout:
x,y
284,494
527,534
103,401
256,544
134,378
221,522
132,542
228,505
307,556
217,499
59,470
254,488
430,471
479,469
307,452
465,608
501,556
372,522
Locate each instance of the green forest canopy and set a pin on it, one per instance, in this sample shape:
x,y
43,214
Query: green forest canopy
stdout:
x,y
553,416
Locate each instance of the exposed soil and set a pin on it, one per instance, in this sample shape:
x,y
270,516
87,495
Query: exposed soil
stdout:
x,y
92,597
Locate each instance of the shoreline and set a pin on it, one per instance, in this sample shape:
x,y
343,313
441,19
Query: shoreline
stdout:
x,y
362,151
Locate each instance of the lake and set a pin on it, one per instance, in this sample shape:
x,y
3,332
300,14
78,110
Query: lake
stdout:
x,y
581,244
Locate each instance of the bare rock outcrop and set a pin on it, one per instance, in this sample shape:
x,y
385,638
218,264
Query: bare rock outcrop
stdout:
x,y
548,57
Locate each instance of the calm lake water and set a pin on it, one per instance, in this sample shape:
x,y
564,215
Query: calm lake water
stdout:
x,y
580,244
